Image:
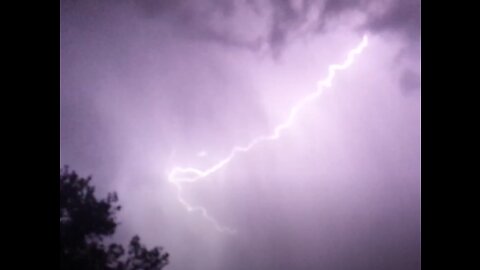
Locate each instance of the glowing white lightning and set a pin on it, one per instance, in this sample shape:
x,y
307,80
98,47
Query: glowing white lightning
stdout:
x,y
180,175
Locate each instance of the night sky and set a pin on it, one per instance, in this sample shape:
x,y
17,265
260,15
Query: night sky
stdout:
x,y
149,85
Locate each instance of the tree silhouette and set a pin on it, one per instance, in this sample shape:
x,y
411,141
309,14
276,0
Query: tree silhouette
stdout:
x,y
84,223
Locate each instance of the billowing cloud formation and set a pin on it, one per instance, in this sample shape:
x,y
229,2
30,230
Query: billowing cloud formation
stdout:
x,y
147,84
253,24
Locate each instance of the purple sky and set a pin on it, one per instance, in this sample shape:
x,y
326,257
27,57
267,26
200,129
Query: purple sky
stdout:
x,y
147,85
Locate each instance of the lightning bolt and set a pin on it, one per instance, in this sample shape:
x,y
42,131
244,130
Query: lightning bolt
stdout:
x,y
179,175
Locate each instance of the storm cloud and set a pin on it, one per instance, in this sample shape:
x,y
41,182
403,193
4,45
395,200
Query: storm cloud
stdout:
x,y
150,84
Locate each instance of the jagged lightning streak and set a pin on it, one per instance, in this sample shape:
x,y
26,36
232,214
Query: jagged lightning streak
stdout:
x,y
180,175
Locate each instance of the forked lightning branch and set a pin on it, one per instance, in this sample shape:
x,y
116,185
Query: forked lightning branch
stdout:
x,y
179,175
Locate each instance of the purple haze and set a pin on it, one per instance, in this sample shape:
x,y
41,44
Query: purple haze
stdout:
x,y
149,84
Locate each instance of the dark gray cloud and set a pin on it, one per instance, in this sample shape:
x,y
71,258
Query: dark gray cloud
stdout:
x,y
402,17
410,81
193,19
211,20
398,17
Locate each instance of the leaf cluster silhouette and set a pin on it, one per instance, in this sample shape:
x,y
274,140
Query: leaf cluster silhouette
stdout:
x,y
86,221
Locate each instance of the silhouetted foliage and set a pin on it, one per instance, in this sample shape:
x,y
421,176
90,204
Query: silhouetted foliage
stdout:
x,y
86,220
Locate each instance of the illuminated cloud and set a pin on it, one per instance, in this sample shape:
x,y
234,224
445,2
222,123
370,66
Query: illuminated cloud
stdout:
x,y
148,85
